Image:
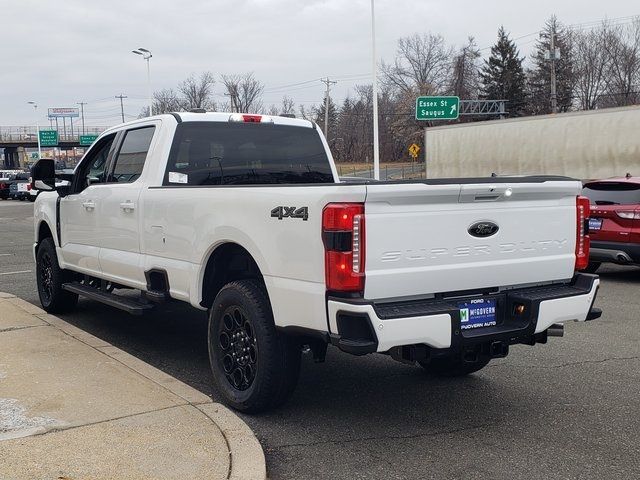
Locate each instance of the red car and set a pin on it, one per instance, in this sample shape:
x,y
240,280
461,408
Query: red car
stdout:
x,y
614,226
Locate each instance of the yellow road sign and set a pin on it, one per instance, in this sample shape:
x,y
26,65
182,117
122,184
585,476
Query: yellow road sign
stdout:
x,y
414,150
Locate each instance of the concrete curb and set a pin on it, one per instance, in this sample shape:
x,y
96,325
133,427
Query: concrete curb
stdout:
x,y
247,460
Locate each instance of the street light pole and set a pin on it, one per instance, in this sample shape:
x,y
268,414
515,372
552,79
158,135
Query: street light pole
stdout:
x,y
376,146
35,106
146,54
82,104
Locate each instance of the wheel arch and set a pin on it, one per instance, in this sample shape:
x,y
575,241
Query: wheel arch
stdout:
x,y
227,262
44,231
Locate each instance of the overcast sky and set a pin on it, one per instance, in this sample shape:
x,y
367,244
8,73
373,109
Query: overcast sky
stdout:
x,y
61,52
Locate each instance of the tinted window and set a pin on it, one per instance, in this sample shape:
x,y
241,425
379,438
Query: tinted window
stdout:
x,y
93,168
216,153
612,193
132,154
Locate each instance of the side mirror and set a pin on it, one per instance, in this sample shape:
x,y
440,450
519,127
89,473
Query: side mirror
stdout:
x,y
43,175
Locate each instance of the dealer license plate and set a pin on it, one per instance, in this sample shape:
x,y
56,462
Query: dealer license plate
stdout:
x,y
595,223
477,313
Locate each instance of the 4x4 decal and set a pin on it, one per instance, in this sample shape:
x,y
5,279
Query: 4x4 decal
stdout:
x,y
290,212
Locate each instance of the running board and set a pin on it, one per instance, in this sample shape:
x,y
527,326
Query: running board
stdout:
x,y
129,305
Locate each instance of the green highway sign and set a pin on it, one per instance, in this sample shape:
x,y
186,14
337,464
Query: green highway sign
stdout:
x,y
34,155
86,140
48,138
437,108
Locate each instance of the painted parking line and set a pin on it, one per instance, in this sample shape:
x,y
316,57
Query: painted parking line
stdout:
x,y
5,254
15,273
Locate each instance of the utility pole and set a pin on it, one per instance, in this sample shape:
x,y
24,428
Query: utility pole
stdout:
x,y
82,104
328,83
553,54
376,144
233,96
121,105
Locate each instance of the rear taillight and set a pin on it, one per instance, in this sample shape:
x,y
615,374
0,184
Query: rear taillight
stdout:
x,y
582,233
344,244
628,214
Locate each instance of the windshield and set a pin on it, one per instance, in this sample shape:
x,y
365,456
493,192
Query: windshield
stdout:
x,y
216,153
612,193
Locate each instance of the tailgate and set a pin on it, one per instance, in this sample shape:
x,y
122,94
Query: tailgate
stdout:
x,y
418,239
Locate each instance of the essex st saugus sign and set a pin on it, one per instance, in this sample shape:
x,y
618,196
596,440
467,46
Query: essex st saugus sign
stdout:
x,y
437,108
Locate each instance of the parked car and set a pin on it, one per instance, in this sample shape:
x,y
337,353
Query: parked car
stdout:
x,y
614,226
4,187
244,216
5,181
20,186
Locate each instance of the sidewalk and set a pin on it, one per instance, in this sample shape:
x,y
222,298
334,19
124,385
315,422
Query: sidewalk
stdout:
x,y
75,407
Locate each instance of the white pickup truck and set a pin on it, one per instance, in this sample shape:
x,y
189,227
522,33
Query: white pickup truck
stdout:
x,y
244,216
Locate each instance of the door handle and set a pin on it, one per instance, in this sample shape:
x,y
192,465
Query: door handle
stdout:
x,y
89,205
127,206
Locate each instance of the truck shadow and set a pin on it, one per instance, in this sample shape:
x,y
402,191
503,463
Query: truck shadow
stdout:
x,y
616,273
346,399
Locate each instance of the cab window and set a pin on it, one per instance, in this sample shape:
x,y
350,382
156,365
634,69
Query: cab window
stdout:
x,y
93,169
130,159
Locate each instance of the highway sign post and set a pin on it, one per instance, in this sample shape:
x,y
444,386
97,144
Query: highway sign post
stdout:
x,y
86,140
48,138
436,108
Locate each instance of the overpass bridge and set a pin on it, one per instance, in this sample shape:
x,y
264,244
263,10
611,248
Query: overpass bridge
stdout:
x,y
15,139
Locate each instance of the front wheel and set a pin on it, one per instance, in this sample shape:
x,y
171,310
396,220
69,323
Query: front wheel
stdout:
x,y
254,367
50,278
453,366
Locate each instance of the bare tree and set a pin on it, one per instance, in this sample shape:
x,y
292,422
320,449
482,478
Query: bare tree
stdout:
x,y
306,114
591,62
465,81
288,106
198,92
165,101
244,92
273,110
422,65
622,45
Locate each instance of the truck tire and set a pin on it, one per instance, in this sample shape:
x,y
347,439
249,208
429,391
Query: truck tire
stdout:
x,y
254,367
592,267
50,277
453,366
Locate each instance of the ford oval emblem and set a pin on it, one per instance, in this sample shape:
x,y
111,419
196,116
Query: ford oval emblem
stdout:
x,y
483,229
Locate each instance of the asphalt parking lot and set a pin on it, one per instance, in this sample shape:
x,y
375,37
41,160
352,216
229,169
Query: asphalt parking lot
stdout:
x,y
565,410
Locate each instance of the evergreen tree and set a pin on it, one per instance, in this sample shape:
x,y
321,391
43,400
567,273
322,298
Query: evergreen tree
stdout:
x,y
502,75
539,77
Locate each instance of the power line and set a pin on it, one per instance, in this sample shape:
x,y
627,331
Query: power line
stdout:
x,y
578,27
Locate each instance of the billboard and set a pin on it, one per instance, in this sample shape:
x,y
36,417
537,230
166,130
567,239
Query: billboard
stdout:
x,y
63,112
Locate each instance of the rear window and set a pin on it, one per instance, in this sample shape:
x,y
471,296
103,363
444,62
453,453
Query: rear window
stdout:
x,y
612,193
216,153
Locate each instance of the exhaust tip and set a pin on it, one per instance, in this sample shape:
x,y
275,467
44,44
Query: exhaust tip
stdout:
x,y
622,258
556,330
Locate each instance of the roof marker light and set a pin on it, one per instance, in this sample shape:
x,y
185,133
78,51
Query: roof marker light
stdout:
x,y
247,118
